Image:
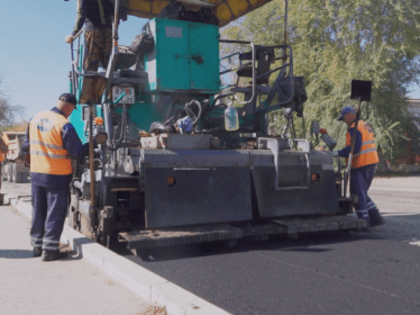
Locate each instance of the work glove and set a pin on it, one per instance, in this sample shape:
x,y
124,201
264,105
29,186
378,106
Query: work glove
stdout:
x,y
100,137
335,153
69,39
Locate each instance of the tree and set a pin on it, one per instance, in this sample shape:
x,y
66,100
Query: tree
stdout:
x,y
335,41
8,112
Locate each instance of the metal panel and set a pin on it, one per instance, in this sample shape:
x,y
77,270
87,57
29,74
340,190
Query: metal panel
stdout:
x,y
210,187
320,198
177,236
183,53
205,53
333,223
225,11
76,118
172,55
196,158
143,114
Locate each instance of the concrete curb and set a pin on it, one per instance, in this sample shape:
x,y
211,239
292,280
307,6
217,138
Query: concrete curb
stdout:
x,y
144,283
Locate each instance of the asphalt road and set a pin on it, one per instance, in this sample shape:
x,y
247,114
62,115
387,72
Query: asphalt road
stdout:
x,y
370,273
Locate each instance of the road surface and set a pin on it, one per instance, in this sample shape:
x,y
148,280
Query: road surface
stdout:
x,y
356,273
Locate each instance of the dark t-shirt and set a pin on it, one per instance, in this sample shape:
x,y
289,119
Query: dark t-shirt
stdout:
x,y
96,13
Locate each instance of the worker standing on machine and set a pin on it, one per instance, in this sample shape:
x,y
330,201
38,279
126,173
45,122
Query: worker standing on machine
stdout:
x,y
363,165
98,16
51,139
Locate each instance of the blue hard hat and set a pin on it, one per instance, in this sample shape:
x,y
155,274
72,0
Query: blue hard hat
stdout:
x,y
346,110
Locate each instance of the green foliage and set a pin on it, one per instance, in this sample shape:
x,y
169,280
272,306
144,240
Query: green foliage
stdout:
x,y
335,41
16,127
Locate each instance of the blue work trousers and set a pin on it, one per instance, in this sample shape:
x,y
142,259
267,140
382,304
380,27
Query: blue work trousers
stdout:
x,y
49,209
360,180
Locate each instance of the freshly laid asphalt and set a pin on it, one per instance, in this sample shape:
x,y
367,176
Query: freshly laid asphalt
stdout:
x,y
347,274
365,273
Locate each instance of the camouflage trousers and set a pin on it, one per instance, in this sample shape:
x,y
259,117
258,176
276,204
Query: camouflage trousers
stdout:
x,y
98,45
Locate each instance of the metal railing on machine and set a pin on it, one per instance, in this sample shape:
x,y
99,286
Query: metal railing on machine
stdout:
x,y
257,67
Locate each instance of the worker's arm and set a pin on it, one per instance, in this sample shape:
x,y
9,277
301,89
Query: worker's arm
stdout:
x,y
80,20
358,145
72,143
80,17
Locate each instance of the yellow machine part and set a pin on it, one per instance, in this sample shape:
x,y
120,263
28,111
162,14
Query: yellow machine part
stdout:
x,y
226,11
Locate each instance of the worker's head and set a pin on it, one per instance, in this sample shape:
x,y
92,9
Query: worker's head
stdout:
x,y
67,103
348,115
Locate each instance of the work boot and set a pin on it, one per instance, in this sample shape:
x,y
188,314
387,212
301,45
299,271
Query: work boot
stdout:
x,y
37,251
376,220
49,255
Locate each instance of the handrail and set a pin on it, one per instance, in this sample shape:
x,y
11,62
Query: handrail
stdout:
x,y
254,85
114,54
78,34
286,66
86,73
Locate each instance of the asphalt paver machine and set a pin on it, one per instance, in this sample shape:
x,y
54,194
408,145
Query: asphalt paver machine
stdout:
x,y
188,160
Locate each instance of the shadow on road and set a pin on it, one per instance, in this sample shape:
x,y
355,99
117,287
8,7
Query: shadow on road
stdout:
x,y
26,253
304,243
16,253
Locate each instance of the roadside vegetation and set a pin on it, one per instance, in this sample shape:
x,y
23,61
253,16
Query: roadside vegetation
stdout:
x,y
9,113
335,41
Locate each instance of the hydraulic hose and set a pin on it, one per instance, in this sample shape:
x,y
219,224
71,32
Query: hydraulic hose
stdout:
x,y
191,113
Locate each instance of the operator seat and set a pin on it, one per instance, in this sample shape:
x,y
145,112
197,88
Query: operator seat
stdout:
x,y
264,58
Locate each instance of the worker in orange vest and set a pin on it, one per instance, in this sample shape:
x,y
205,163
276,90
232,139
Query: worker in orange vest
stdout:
x,y
51,141
363,165
3,151
2,155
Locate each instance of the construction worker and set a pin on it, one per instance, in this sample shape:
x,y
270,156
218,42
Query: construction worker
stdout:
x,y
363,165
2,155
51,139
3,152
98,16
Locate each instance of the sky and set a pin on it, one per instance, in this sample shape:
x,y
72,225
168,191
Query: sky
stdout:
x,y
35,60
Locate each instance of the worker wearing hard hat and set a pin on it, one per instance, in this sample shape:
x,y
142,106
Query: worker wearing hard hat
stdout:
x,y
51,139
363,165
98,16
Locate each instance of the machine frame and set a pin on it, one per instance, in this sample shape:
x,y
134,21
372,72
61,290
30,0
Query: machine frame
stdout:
x,y
186,179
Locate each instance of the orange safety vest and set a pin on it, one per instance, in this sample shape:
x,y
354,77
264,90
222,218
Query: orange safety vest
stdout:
x,y
368,154
48,154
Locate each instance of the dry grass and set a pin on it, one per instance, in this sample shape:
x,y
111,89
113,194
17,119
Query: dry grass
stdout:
x,y
154,310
